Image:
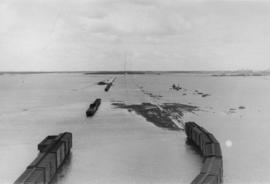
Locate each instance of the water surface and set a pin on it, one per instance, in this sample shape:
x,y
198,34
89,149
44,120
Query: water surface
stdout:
x,y
116,146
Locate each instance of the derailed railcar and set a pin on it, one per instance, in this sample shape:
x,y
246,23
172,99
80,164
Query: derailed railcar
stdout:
x,y
188,128
54,150
213,166
212,170
195,135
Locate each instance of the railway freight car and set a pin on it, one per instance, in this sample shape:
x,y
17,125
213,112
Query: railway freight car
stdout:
x,y
53,151
212,170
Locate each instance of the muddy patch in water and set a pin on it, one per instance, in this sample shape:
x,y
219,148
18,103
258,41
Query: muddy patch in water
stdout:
x,y
162,116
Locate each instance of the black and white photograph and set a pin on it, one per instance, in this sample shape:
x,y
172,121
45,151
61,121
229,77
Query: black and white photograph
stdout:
x,y
134,91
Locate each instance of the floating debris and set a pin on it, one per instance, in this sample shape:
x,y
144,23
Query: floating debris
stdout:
x,y
177,88
232,110
203,95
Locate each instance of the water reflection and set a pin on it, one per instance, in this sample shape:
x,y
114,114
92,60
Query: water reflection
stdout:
x,y
193,148
63,171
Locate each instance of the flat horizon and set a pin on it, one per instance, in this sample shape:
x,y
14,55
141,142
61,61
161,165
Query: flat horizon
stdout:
x,y
124,71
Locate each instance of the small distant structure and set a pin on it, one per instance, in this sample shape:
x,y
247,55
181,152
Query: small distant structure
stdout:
x,y
108,87
93,107
102,82
107,81
177,88
53,152
109,84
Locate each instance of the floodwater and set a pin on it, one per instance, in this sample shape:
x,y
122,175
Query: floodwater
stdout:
x,y
117,146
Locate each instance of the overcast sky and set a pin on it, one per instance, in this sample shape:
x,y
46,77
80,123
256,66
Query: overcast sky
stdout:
x,y
148,34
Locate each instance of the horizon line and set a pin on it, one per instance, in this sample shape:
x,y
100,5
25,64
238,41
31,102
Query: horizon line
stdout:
x,y
124,71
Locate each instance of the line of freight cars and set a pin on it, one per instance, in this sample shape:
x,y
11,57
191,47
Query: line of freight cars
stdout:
x,y
212,170
53,151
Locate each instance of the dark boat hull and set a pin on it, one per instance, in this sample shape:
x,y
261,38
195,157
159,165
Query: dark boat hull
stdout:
x,y
108,87
93,108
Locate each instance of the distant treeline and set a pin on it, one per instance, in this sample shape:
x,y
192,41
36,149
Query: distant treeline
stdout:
x,y
122,72
211,73
242,73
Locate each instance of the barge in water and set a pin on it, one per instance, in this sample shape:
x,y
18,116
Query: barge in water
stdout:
x,y
108,87
93,107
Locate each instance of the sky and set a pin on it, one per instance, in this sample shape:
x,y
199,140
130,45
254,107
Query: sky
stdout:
x,y
91,35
